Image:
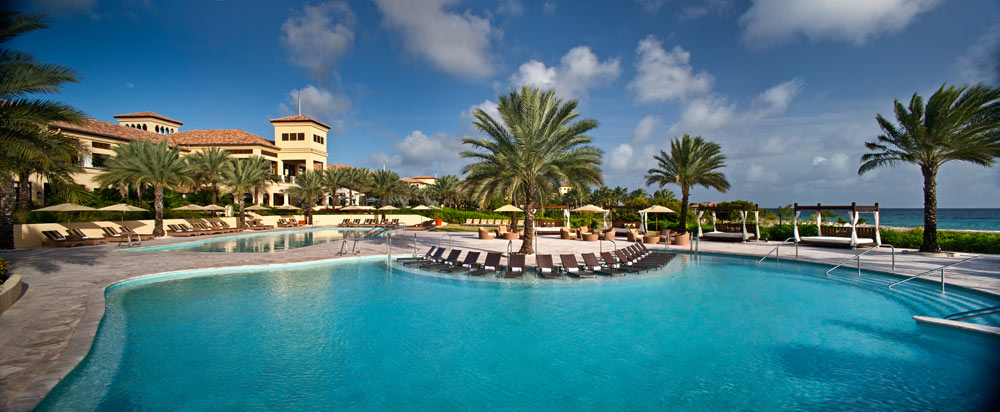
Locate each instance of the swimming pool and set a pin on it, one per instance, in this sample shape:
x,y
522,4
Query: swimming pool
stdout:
x,y
261,242
716,333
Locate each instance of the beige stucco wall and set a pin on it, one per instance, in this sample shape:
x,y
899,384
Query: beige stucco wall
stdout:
x,y
30,235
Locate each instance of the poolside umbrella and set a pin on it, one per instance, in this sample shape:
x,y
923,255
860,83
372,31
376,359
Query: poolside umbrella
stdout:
x,y
122,207
589,209
654,209
388,207
287,207
256,207
513,213
191,208
65,207
422,207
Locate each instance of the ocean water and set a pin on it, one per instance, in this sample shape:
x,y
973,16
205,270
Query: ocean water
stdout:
x,y
969,219
715,333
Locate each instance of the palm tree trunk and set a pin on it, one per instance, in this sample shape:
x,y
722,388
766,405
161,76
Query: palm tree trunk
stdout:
x,y
6,212
138,194
309,212
528,240
240,221
215,193
930,211
23,192
158,211
682,225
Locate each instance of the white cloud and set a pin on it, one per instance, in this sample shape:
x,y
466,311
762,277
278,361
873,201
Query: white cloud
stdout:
x,y
770,22
490,107
320,104
663,75
620,158
420,154
511,7
981,61
704,8
130,85
457,43
549,8
319,37
760,174
714,113
578,70
819,160
645,129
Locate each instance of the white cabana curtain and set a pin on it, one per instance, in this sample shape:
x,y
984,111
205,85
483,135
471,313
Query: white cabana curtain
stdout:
x,y
819,223
642,219
878,235
795,225
606,213
743,217
756,224
853,217
713,222
700,213
566,216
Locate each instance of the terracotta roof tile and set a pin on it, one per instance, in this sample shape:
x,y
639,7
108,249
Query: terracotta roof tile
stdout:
x,y
146,114
299,118
220,137
105,129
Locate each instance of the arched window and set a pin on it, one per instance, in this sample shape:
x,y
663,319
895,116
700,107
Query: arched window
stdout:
x,y
143,127
156,129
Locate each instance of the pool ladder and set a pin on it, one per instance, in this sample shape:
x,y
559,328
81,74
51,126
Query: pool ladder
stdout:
x,y
977,313
777,251
941,268
343,248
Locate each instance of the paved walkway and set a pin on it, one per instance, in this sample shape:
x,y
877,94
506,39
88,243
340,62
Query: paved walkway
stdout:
x,y
50,329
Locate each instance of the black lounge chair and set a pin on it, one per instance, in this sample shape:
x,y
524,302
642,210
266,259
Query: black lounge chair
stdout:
x,y
491,265
572,268
515,266
433,258
470,261
590,260
544,268
612,262
452,259
628,261
424,257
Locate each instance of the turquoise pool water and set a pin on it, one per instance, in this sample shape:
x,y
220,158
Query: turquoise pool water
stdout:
x,y
261,242
717,333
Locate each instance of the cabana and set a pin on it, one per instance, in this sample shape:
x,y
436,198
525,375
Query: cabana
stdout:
x,y
729,231
839,236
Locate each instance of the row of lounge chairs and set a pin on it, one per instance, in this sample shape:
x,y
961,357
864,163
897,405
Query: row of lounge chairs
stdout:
x,y
76,237
635,258
369,222
288,222
488,222
200,229
256,224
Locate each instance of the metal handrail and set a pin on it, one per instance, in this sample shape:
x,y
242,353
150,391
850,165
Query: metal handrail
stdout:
x,y
859,255
510,247
941,268
601,245
777,256
977,313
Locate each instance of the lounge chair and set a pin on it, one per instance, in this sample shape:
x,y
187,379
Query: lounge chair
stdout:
x,y
590,260
515,266
470,261
112,233
57,239
432,259
78,234
634,261
395,222
177,231
468,222
572,268
491,265
424,257
452,259
612,262
544,268
345,222
130,231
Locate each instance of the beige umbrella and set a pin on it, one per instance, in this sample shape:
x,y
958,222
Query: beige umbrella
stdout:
x,y
213,208
358,208
65,207
122,207
191,208
422,207
388,207
288,207
508,208
589,209
256,208
655,209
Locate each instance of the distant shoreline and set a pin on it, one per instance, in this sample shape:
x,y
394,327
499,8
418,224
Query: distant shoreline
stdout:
x,y
908,228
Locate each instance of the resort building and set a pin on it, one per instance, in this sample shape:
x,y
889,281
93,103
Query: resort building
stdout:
x,y
299,144
420,181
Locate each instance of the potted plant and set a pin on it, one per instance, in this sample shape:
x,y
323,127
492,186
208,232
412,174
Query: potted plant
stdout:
x,y
438,218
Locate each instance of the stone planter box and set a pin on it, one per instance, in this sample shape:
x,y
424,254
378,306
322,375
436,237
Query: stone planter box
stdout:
x,y
10,292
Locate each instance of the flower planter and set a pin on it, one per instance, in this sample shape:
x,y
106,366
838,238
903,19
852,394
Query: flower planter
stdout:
x,y
437,222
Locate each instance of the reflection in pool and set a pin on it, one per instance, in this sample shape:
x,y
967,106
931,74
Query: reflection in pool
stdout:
x,y
262,242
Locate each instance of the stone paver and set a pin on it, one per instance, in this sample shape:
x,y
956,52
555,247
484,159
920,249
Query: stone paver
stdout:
x,y
51,328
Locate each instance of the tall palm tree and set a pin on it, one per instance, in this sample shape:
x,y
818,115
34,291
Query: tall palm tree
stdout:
x,y
447,190
603,196
24,120
692,162
664,194
386,186
309,188
122,179
358,180
958,123
206,167
243,176
154,164
57,168
334,180
537,144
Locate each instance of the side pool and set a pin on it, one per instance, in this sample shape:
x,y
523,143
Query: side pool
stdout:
x,y
716,333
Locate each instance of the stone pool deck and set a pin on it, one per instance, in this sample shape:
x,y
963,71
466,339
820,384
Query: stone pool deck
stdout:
x,y
50,329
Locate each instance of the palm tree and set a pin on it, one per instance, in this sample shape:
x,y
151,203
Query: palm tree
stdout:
x,y
958,123
603,196
206,167
536,145
154,164
358,179
386,186
334,180
447,190
664,194
692,162
309,188
120,178
243,176
24,121
57,168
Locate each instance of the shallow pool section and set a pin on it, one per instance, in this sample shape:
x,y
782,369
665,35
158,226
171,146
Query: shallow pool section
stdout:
x,y
718,333
261,242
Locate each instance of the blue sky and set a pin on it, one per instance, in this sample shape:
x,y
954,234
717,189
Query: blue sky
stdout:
x,y
790,88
